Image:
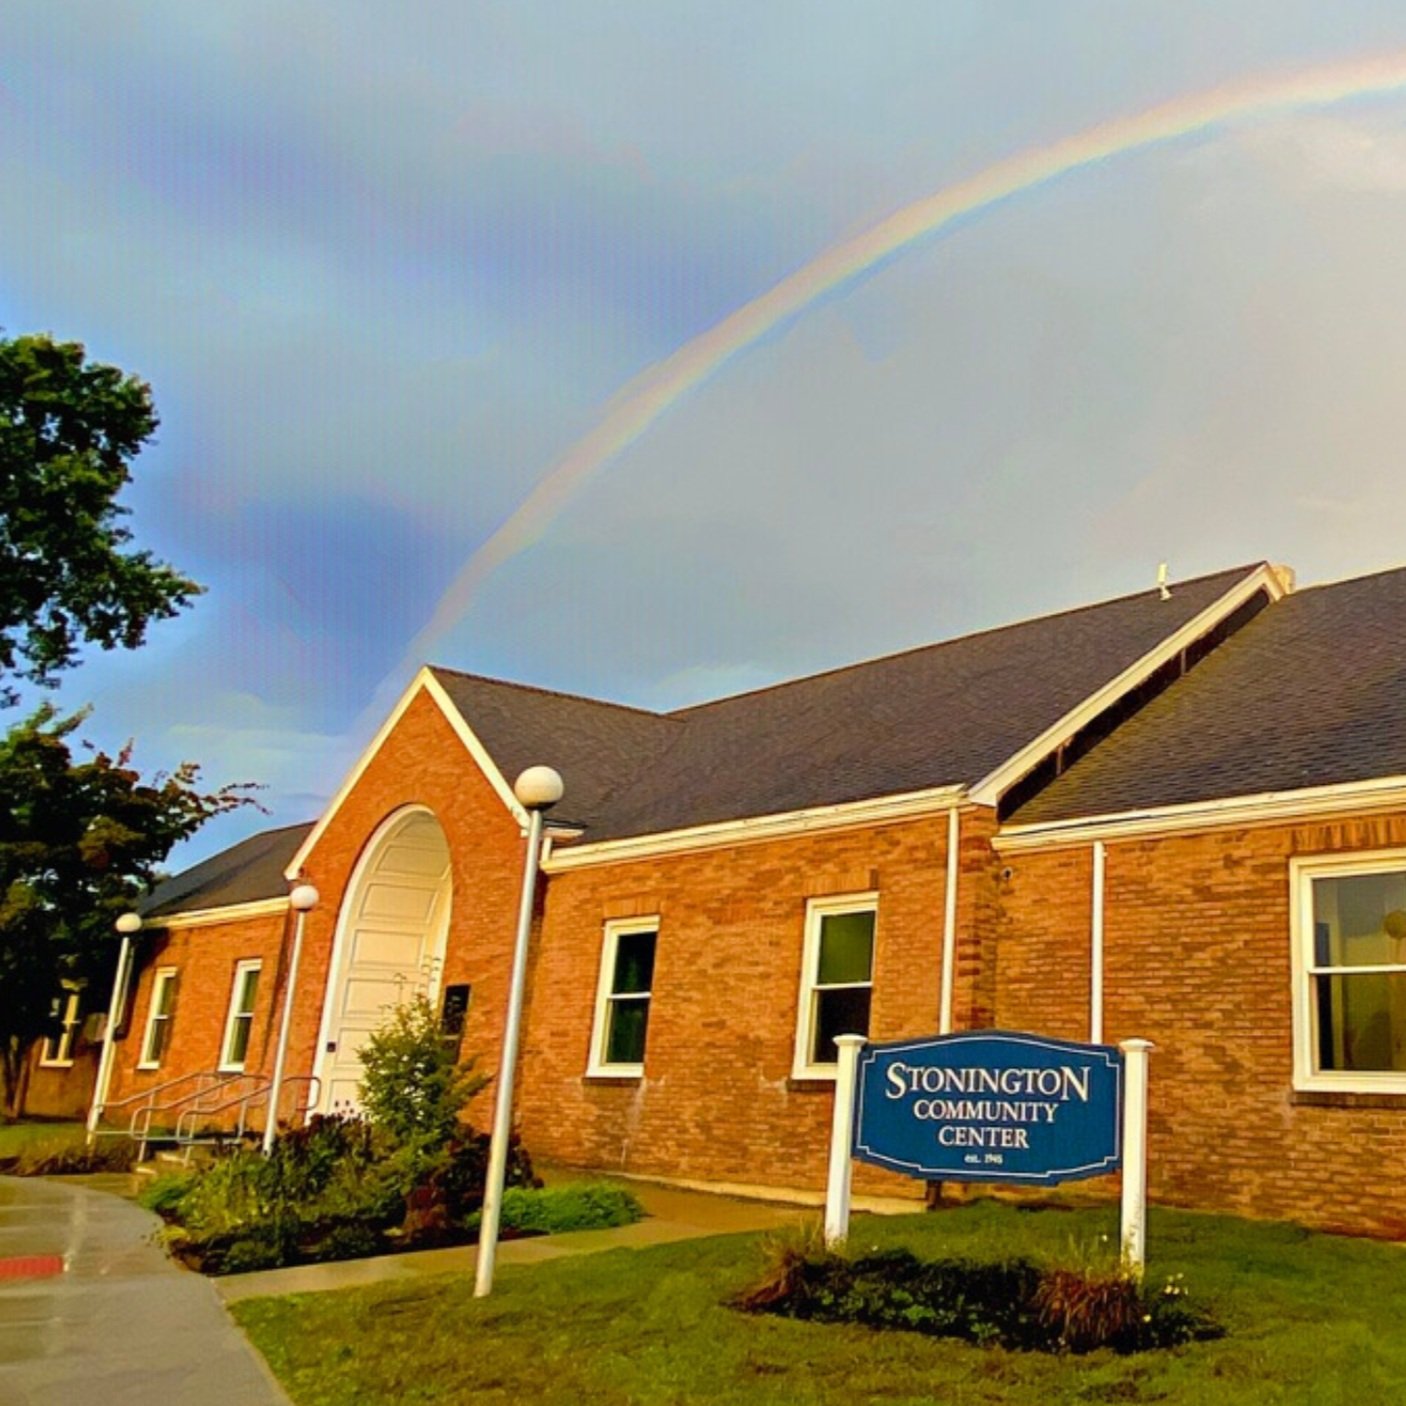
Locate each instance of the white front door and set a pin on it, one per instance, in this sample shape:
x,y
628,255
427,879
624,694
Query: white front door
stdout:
x,y
389,948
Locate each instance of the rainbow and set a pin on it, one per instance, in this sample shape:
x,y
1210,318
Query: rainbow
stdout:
x,y
634,409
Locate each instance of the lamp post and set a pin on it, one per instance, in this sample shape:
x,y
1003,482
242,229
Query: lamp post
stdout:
x,y
128,925
538,789
303,899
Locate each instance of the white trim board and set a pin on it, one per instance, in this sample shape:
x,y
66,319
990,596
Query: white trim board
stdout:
x,y
1374,797
230,913
911,805
1264,577
423,682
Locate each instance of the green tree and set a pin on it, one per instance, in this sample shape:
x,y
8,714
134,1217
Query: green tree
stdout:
x,y
80,839
69,430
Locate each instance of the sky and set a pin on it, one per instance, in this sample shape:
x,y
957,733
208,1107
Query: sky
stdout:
x,y
384,266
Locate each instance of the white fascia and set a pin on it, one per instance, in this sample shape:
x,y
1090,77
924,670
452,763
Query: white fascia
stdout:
x,y
847,814
1380,794
989,789
423,682
230,913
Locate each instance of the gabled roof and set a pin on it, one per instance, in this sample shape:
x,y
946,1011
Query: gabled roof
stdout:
x,y
249,872
942,715
598,747
977,711
1311,693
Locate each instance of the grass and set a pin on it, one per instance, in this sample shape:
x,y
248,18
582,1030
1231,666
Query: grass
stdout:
x,y
1311,1320
16,1137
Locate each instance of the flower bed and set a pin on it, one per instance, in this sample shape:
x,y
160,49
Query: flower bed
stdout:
x,y
1011,1303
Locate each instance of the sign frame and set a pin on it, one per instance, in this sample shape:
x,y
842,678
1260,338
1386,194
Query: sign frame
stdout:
x,y
1106,1059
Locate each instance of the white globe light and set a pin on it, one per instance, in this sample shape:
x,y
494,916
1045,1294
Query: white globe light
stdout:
x,y
129,923
304,897
539,787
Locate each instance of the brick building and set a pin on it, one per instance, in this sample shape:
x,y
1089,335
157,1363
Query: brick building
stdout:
x,y
1176,816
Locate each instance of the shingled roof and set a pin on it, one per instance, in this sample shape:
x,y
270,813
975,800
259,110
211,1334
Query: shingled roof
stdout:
x,y
245,873
944,714
1309,693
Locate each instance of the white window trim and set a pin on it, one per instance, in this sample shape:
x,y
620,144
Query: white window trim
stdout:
x,y
1302,873
615,929
816,910
228,1066
162,977
63,1044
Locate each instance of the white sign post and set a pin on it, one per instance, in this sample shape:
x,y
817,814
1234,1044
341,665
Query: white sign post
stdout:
x,y
837,1185
1134,1210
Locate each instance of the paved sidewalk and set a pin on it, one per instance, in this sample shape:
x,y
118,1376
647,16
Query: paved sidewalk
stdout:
x,y
92,1311
671,1214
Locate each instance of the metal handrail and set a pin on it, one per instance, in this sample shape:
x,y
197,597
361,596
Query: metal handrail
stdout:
x,y
246,1103
214,1080
146,1098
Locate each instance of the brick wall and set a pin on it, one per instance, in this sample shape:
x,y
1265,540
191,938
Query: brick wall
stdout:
x,y
717,1100
205,959
51,1091
1198,958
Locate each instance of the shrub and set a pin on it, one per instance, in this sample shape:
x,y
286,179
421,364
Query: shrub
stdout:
x,y
412,1083
164,1194
63,1156
1013,1303
331,1167
578,1206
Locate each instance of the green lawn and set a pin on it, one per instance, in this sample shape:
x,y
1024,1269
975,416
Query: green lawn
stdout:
x,y
15,1136
1312,1320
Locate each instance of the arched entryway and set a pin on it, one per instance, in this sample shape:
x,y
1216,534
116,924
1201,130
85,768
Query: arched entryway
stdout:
x,y
389,945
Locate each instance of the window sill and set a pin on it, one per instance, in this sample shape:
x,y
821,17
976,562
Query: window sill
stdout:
x,y
56,1064
230,1069
145,1068
621,1075
1348,1098
811,1081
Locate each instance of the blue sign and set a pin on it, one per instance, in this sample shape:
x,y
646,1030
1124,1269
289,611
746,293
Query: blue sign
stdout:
x,y
990,1105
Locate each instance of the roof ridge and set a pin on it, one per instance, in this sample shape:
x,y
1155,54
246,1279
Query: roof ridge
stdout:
x,y
1351,580
549,692
679,713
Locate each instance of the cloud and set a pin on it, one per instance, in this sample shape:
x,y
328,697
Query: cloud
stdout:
x,y
1317,150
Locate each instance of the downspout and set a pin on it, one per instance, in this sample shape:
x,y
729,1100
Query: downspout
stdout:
x,y
949,924
128,924
1096,949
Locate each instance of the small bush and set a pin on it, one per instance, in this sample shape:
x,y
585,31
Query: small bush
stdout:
x,y
1013,1303
63,1156
412,1083
578,1206
164,1194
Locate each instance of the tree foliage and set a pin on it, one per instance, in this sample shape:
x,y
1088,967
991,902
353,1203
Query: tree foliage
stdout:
x,y
69,430
412,1083
80,840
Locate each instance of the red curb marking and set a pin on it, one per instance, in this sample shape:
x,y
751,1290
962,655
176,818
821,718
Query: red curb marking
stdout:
x,y
31,1266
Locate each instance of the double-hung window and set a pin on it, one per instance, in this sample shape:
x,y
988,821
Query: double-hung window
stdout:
x,y
1349,918
159,1017
837,979
623,997
58,1048
240,1022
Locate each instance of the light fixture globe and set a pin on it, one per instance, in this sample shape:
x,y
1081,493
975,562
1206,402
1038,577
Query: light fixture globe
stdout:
x,y
539,788
128,923
303,898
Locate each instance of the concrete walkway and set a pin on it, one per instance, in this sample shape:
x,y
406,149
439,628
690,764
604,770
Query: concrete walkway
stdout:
x,y
91,1310
671,1214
